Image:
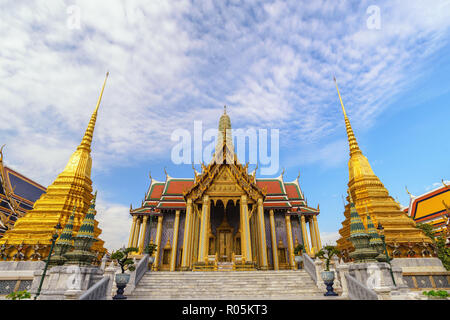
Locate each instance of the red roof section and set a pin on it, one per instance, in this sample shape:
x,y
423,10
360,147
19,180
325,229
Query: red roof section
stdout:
x,y
292,191
273,186
156,191
175,186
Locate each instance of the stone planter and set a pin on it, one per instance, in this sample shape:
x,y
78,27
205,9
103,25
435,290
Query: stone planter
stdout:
x,y
122,280
328,279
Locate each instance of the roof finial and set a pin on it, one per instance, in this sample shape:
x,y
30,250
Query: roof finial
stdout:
x,y
443,182
410,195
447,207
150,174
353,144
298,177
350,196
254,171
87,139
1,153
95,197
224,109
340,99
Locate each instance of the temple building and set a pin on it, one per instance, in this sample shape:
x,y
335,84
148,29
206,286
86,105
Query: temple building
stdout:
x,y
30,239
224,217
432,207
372,199
17,195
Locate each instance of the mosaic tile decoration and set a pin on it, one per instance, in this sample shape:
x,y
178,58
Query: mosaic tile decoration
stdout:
x,y
25,285
7,286
441,281
423,282
409,281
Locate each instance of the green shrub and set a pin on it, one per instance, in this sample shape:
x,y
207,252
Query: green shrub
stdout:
x,y
440,293
19,295
298,249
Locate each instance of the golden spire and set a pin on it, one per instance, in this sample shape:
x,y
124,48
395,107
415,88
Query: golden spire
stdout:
x,y
366,189
354,148
87,139
72,186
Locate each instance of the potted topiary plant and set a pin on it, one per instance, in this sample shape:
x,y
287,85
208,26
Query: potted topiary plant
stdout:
x,y
328,276
126,264
298,254
149,250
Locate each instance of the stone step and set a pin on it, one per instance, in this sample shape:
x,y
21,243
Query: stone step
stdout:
x,y
227,285
223,285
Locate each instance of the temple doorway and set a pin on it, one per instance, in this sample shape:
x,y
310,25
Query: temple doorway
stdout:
x,y
225,228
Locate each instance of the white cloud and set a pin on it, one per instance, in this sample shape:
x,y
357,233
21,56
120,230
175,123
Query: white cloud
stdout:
x,y
172,62
329,238
115,222
436,185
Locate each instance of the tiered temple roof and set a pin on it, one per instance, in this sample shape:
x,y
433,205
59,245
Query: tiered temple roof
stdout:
x,y
169,195
431,207
17,196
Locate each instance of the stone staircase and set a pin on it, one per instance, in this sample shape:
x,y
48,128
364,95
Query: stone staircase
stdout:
x,y
226,285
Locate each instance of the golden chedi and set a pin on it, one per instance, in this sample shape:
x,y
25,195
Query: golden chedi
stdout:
x,y
72,188
370,196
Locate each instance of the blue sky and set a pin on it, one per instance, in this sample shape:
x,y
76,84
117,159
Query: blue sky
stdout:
x,y
271,62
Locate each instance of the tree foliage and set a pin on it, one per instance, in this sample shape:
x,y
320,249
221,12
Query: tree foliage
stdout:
x,y
150,249
121,256
439,242
298,249
327,253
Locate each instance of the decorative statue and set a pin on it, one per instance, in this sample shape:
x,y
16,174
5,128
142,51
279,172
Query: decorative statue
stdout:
x,y
410,253
3,251
19,254
36,255
396,246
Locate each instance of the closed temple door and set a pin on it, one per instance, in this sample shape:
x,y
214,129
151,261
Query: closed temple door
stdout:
x,y
225,246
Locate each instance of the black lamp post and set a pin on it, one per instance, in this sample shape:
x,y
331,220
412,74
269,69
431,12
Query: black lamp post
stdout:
x,y
388,259
54,237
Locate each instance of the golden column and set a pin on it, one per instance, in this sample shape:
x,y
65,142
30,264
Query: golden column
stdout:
x,y
274,240
195,240
245,229
312,233
133,228
173,256
187,238
316,227
203,248
136,232
143,234
305,235
262,235
290,241
158,242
